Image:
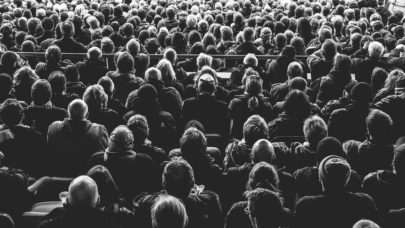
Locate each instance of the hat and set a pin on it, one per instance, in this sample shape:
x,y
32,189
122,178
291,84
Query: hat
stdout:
x,y
334,171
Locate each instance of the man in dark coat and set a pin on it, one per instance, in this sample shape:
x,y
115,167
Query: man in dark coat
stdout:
x,y
247,46
92,69
321,62
72,141
67,43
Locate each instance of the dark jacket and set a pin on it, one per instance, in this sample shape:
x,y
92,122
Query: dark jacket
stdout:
x,y
246,48
363,68
91,71
40,117
277,70
110,119
71,143
124,84
394,106
69,45
373,157
332,86
45,35
43,70
318,65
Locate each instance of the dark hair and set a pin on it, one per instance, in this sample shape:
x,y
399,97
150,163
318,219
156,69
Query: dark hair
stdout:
x,y
193,144
255,128
379,126
72,74
329,146
263,175
6,84
125,63
11,112
178,178
297,105
57,80
41,92
107,187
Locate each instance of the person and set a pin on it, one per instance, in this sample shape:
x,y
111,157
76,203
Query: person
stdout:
x,y
80,209
363,67
73,83
123,78
97,100
112,103
307,178
209,111
6,85
252,102
202,204
41,112
53,56
60,98
277,69
392,105
73,140
22,146
336,204
9,62
279,91
289,123
126,166
365,223
376,152
48,27
247,46
67,43
93,68
24,78
169,212
321,62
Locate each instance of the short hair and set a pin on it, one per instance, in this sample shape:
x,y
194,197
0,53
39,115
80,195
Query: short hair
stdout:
x,y
298,83
67,29
138,124
9,58
365,223
107,84
57,80
379,126
11,112
294,69
334,173
152,75
168,212
166,69
255,128
121,139
261,204
248,34
329,146
77,110
193,144
53,54
41,92
94,53
83,191
204,60
375,49
178,178
133,47
171,55
125,63
191,21
329,49
250,59
263,175
263,150
297,105
95,98
72,73
315,129
343,63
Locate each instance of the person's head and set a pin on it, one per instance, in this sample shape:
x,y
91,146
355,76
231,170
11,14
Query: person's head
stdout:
x,y
125,63
167,71
83,192
171,55
255,128
153,75
57,80
329,49
362,93
226,33
365,223
315,129
297,105
9,59
53,54
262,151
67,29
263,175
265,208
121,139
193,144
378,77
41,92
250,60
297,83
107,45
379,127
108,190
329,146
133,47
294,69
204,60
299,45
206,84
95,98
138,124
343,63
375,50
248,34
334,174
168,212
77,110
94,54
178,178
107,84
11,112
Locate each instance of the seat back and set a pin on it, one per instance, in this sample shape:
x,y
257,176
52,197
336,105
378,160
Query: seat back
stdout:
x,y
31,219
6,221
50,191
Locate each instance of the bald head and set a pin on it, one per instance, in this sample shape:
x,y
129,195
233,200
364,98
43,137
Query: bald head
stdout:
x,y
83,191
77,110
263,150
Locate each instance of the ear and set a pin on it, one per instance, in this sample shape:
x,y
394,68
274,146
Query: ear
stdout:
x,y
251,157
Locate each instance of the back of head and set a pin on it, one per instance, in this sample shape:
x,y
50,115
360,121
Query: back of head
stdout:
x,y
297,83
250,60
41,92
67,29
53,54
343,63
263,151
263,175
206,84
11,112
329,146
255,128
204,60
9,59
108,190
379,126
334,174
362,93
95,98
171,55
178,178
364,223
57,80
315,129
294,69
133,47
125,63
297,105
94,54
77,110
107,84
121,139
83,192
375,50
193,144
265,208
329,49
153,75
72,73
168,212
167,71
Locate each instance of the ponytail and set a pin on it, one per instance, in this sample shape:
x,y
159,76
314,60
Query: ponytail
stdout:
x,y
253,103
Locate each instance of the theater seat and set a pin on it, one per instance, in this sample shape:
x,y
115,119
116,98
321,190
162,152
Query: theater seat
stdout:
x,y
50,190
46,207
6,221
31,219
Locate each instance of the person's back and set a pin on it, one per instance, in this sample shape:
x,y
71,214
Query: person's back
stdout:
x,y
72,141
92,69
68,43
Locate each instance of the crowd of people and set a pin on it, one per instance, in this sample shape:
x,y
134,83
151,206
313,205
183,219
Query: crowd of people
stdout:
x,y
285,142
